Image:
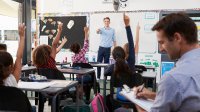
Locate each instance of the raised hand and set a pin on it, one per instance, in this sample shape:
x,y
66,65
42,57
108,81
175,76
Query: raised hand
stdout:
x,y
126,20
21,30
60,26
86,29
64,39
138,26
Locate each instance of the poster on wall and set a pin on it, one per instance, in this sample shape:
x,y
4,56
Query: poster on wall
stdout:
x,y
151,60
72,29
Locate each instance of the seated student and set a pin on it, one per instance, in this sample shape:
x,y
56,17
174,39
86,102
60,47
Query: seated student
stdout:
x,y
44,55
13,72
79,57
122,72
9,76
79,54
131,56
136,49
3,47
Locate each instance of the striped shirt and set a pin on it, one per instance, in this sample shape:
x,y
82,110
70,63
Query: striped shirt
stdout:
x,y
80,57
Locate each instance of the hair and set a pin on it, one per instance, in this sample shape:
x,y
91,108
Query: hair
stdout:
x,y
5,61
41,55
180,23
120,65
3,47
126,50
106,18
75,48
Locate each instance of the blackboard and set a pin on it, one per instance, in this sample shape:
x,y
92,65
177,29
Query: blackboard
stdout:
x,y
48,27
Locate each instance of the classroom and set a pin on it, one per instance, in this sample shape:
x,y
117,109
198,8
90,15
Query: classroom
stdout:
x,y
99,55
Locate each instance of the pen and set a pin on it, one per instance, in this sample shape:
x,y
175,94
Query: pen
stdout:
x,y
141,88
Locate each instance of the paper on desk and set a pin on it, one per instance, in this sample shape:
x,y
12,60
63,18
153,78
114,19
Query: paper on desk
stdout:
x,y
60,83
145,104
34,85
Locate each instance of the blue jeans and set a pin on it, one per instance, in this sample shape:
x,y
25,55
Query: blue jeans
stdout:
x,y
103,55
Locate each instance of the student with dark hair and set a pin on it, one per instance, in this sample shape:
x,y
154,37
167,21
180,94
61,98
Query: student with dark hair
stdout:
x,y
122,71
119,53
108,39
3,47
79,54
12,73
12,99
178,90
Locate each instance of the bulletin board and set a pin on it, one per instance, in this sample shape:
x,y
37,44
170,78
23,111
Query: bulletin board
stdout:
x,y
72,29
147,43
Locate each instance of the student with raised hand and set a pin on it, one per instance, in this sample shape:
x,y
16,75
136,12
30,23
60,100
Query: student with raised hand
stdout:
x,y
11,73
131,55
64,40
136,49
79,54
122,71
178,90
44,55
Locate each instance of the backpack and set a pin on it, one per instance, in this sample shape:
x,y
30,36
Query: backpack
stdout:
x,y
97,104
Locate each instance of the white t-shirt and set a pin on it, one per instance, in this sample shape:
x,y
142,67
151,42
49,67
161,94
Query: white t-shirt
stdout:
x,y
10,81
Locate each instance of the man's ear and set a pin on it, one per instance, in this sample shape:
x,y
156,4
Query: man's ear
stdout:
x,y
178,37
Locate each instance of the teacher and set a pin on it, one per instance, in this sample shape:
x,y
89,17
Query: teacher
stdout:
x,y
107,40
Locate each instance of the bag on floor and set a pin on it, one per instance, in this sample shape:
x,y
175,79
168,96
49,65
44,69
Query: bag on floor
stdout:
x,y
97,104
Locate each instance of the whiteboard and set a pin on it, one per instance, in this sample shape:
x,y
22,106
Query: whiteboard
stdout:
x,y
147,43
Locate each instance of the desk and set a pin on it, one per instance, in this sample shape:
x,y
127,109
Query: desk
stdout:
x,y
65,63
81,71
104,79
150,75
99,64
50,89
28,68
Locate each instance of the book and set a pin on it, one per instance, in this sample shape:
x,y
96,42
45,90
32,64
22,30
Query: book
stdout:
x,y
143,103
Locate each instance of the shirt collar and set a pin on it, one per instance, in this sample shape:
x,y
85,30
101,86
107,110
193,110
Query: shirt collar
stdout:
x,y
189,55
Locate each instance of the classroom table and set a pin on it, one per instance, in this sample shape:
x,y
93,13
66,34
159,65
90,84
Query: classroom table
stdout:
x,y
63,63
96,64
81,71
28,68
51,88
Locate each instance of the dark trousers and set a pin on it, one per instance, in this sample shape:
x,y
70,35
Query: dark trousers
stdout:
x,y
103,56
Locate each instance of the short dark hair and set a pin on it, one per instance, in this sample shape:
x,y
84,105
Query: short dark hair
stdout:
x,y
106,18
178,22
75,48
3,47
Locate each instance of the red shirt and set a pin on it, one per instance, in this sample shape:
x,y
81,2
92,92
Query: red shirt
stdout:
x,y
51,63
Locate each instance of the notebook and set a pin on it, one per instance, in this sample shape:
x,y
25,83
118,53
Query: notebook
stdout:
x,y
145,104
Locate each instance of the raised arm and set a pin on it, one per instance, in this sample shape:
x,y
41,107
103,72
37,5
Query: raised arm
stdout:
x,y
131,57
86,41
64,40
20,50
137,38
56,41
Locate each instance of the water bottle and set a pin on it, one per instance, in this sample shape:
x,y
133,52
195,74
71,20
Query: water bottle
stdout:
x,y
93,58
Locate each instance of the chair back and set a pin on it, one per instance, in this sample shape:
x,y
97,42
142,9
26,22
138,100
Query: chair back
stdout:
x,y
51,73
13,99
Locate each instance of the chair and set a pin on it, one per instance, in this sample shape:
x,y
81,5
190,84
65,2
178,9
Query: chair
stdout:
x,y
90,83
117,82
140,68
50,74
13,99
